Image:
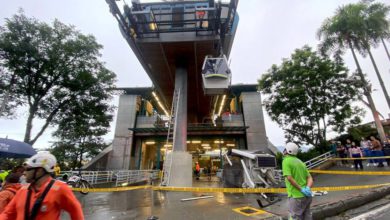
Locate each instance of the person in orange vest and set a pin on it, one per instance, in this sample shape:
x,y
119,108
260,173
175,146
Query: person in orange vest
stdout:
x,y
44,197
197,170
10,187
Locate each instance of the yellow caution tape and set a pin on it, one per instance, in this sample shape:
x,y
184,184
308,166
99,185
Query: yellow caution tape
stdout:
x,y
230,190
223,190
344,188
113,189
376,173
360,158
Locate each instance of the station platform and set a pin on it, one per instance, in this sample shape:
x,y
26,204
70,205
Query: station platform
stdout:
x,y
144,203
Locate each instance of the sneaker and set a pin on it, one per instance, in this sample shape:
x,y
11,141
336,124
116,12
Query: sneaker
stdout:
x,y
368,164
352,166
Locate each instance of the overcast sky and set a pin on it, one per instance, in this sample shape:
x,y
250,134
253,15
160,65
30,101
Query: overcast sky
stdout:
x,y
267,32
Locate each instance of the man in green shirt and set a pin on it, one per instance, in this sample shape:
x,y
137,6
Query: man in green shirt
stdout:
x,y
298,184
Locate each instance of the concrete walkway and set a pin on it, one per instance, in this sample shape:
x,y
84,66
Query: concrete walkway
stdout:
x,y
141,204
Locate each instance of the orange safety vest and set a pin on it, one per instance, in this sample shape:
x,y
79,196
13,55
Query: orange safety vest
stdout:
x,y
7,193
200,14
60,197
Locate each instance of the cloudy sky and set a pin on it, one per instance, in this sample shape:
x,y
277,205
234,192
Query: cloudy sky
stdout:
x,y
268,31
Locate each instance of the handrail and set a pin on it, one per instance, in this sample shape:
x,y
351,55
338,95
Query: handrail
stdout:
x,y
117,177
318,160
309,164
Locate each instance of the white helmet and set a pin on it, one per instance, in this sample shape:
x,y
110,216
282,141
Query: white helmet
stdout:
x,y
292,148
43,159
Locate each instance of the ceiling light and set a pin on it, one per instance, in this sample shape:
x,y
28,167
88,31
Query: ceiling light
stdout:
x,y
222,104
149,142
205,145
159,103
196,142
230,145
207,148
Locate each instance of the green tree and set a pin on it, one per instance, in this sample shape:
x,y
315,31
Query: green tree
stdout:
x,y
361,131
307,95
378,27
374,27
80,131
49,69
337,35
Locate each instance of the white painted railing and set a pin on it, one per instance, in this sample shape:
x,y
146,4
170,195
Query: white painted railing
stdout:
x,y
319,160
126,177
316,161
118,177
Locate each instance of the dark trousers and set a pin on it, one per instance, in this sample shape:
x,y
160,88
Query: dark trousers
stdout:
x,y
357,162
343,155
378,153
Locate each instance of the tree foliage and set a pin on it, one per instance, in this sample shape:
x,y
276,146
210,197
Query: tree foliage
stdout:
x,y
362,131
309,95
53,70
356,26
80,133
71,155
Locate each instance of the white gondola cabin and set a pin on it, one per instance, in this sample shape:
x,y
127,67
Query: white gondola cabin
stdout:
x,y
216,75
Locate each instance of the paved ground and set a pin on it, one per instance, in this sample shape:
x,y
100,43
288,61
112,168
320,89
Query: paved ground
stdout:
x,y
167,205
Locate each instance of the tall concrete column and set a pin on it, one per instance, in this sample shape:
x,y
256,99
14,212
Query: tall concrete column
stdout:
x,y
253,116
119,157
181,169
181,117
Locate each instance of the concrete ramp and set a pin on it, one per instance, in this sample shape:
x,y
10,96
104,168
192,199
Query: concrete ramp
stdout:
x,y
273,148
100,161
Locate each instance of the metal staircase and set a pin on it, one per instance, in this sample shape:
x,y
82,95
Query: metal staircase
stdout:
x,y
170,140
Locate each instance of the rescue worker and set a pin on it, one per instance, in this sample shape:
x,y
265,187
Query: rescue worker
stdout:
x,y
3,175
298,184
44,197
10,187
57,170
197,170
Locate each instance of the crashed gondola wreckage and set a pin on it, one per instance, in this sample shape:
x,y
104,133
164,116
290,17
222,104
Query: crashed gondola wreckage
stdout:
x,y
252,170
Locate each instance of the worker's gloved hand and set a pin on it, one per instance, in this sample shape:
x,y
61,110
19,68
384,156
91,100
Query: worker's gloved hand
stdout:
x,y
306,191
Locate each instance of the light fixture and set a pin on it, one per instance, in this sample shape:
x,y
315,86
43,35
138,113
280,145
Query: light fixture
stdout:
x,y
230,145
167,145
188,142
222,104
207,148
218,142
159,103
150,142
153,26
205,145
196,142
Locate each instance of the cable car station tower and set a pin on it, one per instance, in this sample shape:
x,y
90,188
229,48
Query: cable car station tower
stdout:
x,y
183,45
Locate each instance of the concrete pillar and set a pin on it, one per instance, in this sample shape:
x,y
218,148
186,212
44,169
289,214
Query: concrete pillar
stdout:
x,y
181,117
119,157
181,169
253,117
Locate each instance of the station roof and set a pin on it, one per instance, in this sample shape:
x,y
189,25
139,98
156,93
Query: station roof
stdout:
x,y
161,37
